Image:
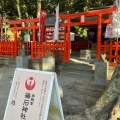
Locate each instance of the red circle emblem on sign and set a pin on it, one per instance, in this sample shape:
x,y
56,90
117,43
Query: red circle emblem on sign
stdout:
x,y
30,83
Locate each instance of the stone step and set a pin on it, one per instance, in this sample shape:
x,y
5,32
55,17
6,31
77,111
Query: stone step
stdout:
x,y
75,58
78,65
76,70
84,87
76,73
7,61
32,64
88,54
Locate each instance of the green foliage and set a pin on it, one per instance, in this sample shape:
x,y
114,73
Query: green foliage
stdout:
x,y
27,9
100,3
78,6
81,32
14,9
71,6
54,111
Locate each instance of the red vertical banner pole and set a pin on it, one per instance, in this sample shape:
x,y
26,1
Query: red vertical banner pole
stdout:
x,y
42,19
65,42
15,40
32,50
99,35
12,48
111,48
34,32
68,39
33,43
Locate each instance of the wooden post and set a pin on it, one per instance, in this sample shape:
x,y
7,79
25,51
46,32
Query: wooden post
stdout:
x,y
65,48
116,58
15,40
99,35
68,39
110,57
32,52
33,44
34,32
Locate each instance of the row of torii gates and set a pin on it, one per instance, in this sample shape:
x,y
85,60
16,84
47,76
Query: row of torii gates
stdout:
x,y
38,49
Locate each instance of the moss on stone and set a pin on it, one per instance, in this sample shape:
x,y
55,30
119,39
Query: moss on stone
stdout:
x,y
54,111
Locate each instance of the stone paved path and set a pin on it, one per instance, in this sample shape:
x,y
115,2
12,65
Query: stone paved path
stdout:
x,y
6,76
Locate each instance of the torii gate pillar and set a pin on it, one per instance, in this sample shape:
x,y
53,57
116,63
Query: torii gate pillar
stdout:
x,y
99,35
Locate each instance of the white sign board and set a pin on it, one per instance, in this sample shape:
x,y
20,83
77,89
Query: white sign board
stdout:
x,y
82,18
113,29
72,36
34,96
27,38
108,33
50,32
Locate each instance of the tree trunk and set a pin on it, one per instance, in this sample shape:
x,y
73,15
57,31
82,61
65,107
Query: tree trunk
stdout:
x,y
107,107
38,8
109,96
18,9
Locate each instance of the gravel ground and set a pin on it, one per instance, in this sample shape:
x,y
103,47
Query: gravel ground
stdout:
x,y
6,76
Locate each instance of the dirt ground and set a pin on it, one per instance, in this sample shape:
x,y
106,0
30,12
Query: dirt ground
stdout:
x,y
6,77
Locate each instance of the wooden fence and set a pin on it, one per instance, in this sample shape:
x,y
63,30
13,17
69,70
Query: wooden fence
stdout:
x,y
7,49
27,46
39,50
112,51
76,46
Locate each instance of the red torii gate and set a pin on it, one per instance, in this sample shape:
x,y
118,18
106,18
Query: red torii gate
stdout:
x,y
99,21
65,46
23,25
39,49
